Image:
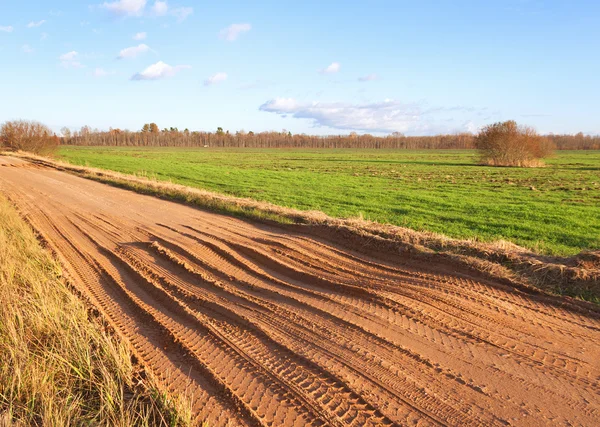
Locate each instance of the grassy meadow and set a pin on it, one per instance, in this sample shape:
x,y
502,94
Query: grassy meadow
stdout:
x,y
553,210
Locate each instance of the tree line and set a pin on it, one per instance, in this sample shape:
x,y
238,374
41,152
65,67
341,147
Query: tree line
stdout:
x,y
152,136
36,137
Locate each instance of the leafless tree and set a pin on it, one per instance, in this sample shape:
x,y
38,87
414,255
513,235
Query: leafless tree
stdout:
x,y
510,144
30,136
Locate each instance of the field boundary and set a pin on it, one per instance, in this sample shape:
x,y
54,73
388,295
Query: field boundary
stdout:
x,y
577,276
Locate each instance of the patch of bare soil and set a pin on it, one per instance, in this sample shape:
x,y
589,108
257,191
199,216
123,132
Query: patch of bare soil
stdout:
x,y
265,325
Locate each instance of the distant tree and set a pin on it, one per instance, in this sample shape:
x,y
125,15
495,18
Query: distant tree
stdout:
x,y
66,132
146,128
154,128
220,130
85,131
30,136
510,144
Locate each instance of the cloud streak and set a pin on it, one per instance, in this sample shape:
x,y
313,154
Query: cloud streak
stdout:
x,y
215,78
133,51
158,71
33,24
333,68
140,36
6,29
382,117
232,32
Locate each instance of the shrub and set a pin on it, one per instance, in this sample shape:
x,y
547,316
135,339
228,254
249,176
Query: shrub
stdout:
x,y
510,144
30,136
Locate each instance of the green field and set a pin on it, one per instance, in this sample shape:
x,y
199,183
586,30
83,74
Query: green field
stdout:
x,y
552,210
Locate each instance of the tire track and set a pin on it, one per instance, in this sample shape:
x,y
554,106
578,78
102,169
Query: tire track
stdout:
x,y
263,326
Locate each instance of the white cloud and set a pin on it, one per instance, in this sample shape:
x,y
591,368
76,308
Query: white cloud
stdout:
x,y
69,60
140,36
33,24
138,8
125,7
69,56
7,29
368,78
181,13
232,32
382,117
333,68
160,8
27,49
215,78
160,70
132,52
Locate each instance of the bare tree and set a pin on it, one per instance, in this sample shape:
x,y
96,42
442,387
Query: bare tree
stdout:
x,y
30,136
509,144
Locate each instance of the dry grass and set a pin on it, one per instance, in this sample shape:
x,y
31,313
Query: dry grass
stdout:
x,y
575,276
60,366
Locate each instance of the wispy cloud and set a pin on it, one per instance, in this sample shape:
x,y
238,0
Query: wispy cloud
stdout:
x,y
232,32
69,60
34,24
27,49
368,78
43,36
69,56
125,7
134,51
140,36
138,8
160,70
181,13
6,29
333,68
215,78
383,117
160,8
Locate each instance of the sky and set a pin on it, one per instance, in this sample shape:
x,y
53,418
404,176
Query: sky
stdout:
x,y
319,67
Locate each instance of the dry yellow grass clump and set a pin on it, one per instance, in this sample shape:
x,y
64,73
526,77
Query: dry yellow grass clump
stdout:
x,y
59,364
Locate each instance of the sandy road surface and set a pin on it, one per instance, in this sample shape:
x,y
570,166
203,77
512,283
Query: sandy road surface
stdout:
x,y
266,327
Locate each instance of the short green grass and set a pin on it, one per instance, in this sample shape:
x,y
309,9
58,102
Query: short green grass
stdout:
x,y
552,210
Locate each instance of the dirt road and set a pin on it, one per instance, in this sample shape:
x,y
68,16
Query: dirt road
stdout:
x,y
267,327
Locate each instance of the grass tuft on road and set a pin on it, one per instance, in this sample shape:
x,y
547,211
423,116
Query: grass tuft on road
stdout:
x,y
60,366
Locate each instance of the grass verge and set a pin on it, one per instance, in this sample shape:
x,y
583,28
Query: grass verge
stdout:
x,y
575,276
60,364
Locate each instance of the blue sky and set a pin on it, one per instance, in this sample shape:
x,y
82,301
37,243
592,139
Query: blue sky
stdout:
x,y
322,67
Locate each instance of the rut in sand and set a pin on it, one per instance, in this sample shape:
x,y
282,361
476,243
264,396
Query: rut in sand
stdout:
x,y
269,327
